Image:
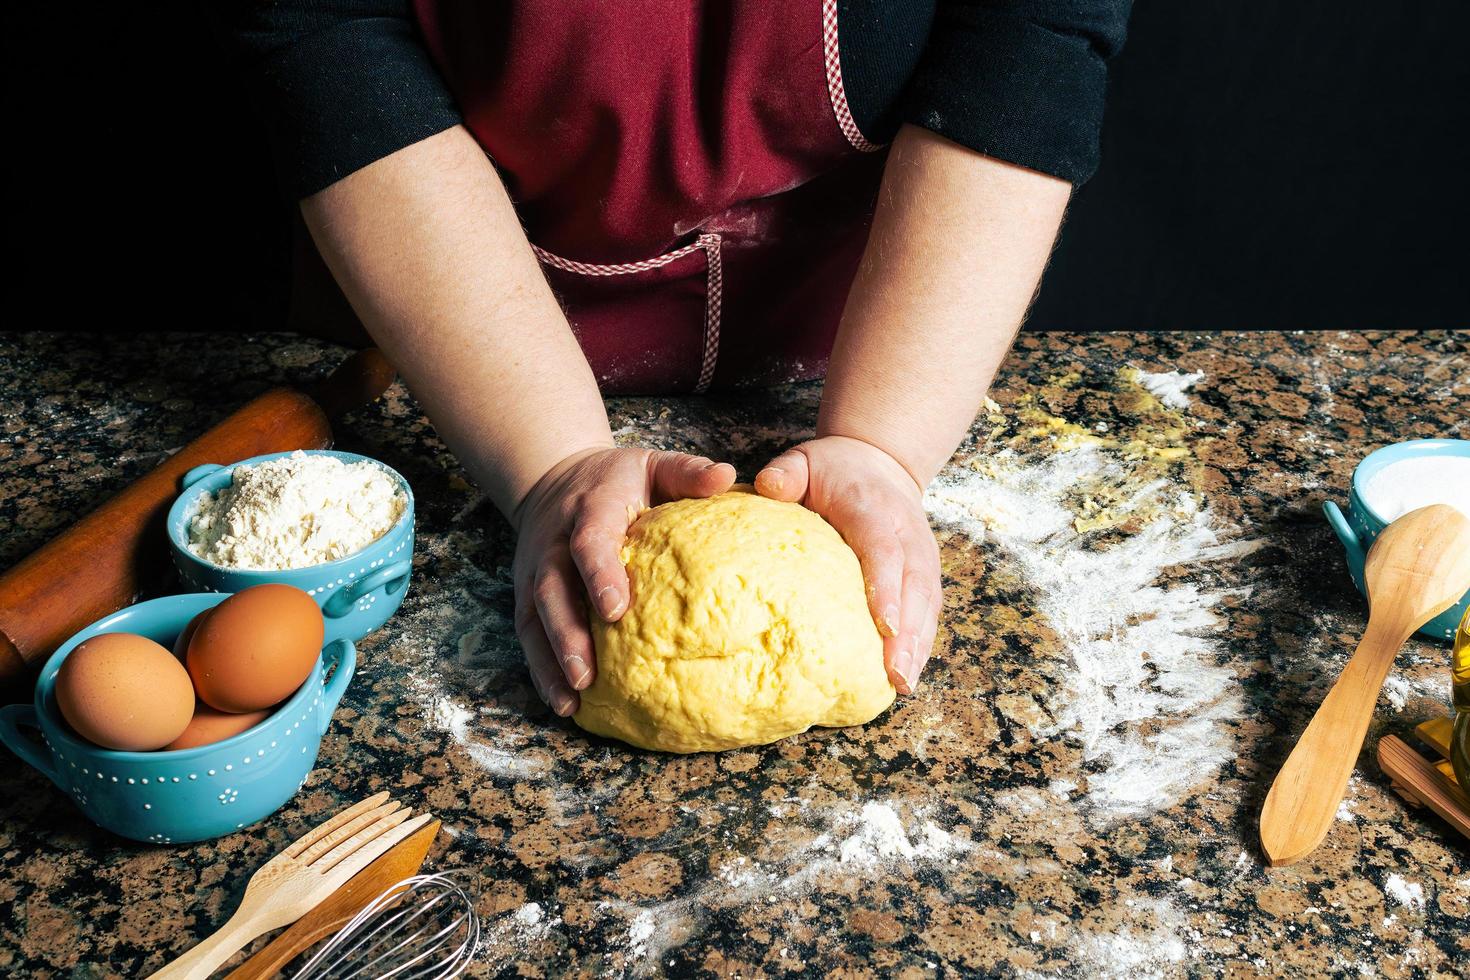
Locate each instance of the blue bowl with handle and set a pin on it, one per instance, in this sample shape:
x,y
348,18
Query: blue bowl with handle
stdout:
x,y
356,594
184,794
1360,526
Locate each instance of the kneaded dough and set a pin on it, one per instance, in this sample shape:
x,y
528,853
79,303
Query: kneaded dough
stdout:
x,y
748,623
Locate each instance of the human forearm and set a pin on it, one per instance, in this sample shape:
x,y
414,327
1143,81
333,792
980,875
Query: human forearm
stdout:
x,y
957,248
428,249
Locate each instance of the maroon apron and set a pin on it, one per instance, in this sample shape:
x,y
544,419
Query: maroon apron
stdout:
x,y
689,175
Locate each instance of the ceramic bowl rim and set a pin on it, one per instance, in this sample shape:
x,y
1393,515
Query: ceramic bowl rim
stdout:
x,y
1394,452
46,687
177,517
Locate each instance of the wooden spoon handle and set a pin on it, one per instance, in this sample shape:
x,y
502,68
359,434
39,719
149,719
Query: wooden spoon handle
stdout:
x,y
1303,800
201,961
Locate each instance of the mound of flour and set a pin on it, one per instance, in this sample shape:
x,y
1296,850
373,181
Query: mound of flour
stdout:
x,y
1418,482
294,512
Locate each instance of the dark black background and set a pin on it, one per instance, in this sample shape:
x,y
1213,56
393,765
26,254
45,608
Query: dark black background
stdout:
x,y
1292,165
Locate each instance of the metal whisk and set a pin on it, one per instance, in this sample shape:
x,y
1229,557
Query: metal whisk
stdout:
x,y
423,928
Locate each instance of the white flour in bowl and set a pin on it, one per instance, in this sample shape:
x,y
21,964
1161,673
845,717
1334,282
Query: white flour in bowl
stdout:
x,y
1418,482
294,512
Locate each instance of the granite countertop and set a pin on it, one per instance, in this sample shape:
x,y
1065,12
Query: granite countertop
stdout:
x,y
1143,605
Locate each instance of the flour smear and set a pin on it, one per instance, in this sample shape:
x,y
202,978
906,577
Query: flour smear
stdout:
x,y
870,839
1147,698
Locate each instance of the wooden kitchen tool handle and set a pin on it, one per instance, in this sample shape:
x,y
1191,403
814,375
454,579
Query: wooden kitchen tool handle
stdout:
x,y
1414,776
107,559
1302,803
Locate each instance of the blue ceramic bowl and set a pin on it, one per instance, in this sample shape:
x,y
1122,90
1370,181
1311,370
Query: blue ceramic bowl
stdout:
x,y
186,794
357,593
1361,525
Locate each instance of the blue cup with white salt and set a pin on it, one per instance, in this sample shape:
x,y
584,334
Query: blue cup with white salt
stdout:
x,y
1389,483
337,526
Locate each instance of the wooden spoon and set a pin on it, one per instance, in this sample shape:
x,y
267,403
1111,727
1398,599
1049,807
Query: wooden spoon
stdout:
x,y
1418,568
402,861
300,878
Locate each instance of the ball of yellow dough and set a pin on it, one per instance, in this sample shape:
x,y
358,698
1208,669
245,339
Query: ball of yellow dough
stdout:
x,y
748,622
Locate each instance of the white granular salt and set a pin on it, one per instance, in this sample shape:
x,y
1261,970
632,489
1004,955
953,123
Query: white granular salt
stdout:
x,y
294,512
1413,483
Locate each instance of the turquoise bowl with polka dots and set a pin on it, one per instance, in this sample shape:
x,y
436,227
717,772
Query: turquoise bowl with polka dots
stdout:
x,y
1359,525
186,794
357,594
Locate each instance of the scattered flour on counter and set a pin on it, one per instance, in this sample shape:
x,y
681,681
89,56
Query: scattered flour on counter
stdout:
x,y
1151,943
866,841
506,938
1147,696
1169,387
533,922
1154,949
294,512
1396,690
881,836
639,932
450,716
456,637
1409,894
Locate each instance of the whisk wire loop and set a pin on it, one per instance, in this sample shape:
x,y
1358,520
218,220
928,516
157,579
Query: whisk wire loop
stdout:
x,y
423,928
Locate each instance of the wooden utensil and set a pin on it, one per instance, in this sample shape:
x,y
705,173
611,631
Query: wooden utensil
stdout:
x,y
107,559
1420,781
1417,568
301,877
401,861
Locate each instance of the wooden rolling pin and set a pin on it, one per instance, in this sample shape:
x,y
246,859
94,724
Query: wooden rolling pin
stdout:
x,y
107,559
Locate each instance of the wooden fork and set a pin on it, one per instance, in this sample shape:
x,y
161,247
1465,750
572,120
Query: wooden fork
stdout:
x,y
301,877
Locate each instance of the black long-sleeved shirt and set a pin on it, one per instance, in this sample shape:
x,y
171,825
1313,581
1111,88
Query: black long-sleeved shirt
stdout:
x,y
346,82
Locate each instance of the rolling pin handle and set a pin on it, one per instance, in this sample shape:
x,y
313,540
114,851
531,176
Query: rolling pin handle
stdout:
x,y
358,381
198,473
1345,534
12,716
344,654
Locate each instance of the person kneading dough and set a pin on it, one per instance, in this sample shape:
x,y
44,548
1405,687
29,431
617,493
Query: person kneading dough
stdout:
x,y
747,623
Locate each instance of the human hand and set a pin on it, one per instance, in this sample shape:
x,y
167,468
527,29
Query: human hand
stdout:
x,y
877,507
570,530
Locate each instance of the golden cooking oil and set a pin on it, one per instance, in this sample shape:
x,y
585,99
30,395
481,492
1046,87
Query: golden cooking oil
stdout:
x,y
1460,673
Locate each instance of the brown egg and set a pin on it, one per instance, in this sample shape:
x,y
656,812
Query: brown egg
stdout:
x,y
181,643
124,691
209,725
255,648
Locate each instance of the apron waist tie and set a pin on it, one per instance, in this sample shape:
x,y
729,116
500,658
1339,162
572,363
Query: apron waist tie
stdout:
x,y
713,292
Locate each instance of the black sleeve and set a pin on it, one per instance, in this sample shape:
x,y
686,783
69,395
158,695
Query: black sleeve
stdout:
x,y
1019,80
341,83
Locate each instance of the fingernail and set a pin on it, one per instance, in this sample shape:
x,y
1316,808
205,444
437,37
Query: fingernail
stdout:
x,y
890,621
577,672
901,668
609,606
909,663
775,476
710,466
561,700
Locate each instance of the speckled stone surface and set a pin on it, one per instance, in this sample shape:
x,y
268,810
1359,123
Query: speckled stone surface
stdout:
x,y
976,828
